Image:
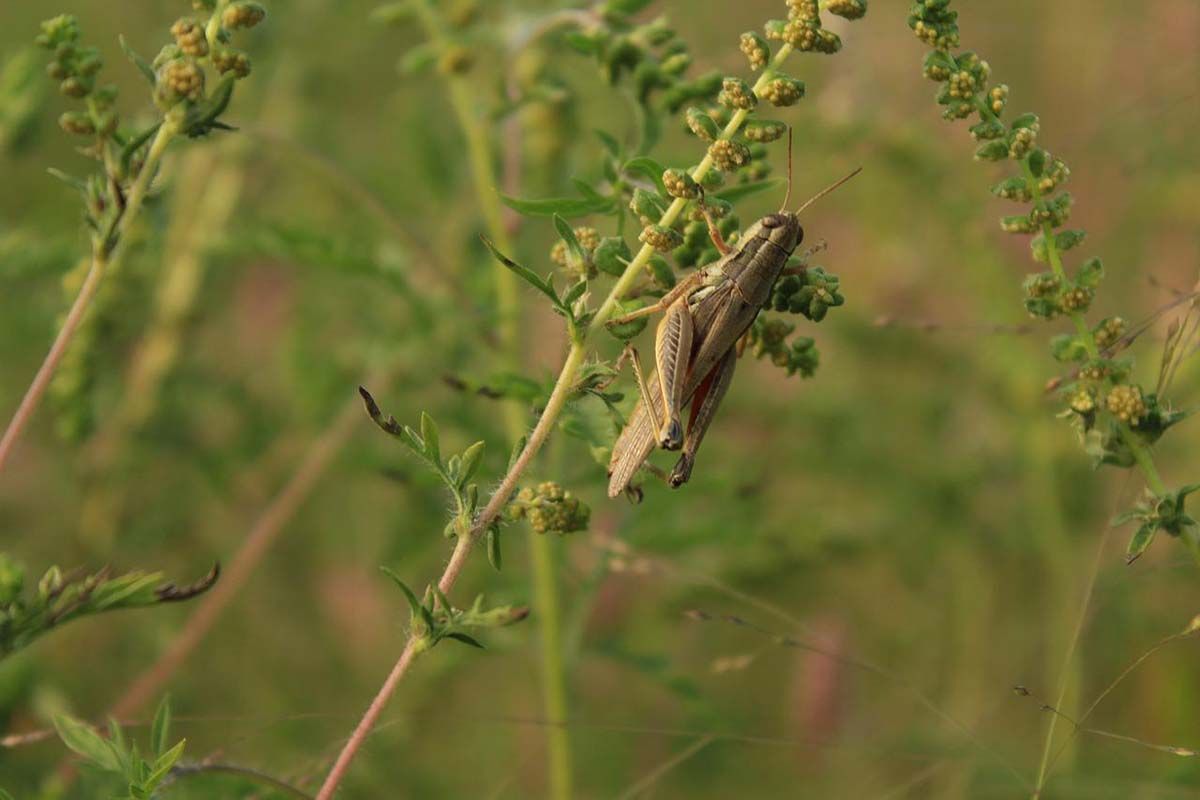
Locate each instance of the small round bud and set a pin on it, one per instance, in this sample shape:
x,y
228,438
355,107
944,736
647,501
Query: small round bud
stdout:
x,y
680,184
998,98
242,14
756,49
231,61
736,93
1077,299
558,253
455,60
1083,401
702,124
728,154
1109,331
661,238
783,91
189,35
77,122
764,130
847,9
75,87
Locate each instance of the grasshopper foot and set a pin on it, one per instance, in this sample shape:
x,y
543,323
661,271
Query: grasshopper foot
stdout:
x,y
683,470
671,436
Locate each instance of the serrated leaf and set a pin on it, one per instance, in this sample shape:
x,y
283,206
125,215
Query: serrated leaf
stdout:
x,y
564,206
1140,541
138,61
160,730
465,639
735,193
648,168
82,739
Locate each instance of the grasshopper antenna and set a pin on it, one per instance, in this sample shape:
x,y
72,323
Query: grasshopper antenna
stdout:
x,y
788,195
827,190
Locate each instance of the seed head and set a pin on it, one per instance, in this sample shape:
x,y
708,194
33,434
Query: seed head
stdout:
x,y
231,61
181,79
680,184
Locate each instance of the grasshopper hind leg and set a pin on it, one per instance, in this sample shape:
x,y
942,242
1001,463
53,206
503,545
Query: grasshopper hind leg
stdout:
x,y
705,403
673,353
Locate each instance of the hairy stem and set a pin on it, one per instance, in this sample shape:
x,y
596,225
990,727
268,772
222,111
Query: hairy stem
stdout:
x,y
104,256
563,388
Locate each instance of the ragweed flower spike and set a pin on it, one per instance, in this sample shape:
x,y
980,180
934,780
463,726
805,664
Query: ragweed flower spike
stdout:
x,y
1121,429
190,100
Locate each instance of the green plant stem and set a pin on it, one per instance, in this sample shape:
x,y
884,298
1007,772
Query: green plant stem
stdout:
x,y
563,388
104,257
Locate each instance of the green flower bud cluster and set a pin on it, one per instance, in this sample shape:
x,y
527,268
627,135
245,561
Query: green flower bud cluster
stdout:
x,y
242,14
190,37
729,154
783,91
803,30
756,50
680,183
550,509
810,294
661,238
767,338
650,54
76,68
736,93
1116,420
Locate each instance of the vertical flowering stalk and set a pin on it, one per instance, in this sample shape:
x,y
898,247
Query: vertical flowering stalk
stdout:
x,y
1118,421
192,82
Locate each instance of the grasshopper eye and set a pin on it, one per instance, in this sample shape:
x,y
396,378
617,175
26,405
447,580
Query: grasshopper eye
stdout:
x,y
773,221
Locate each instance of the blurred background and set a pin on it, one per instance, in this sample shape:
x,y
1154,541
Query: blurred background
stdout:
x,y
914,518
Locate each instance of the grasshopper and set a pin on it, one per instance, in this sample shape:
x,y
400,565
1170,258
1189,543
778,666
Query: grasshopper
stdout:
x,y
697,343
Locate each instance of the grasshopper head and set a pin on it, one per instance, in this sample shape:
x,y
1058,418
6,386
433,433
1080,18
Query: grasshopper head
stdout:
x,y
783,230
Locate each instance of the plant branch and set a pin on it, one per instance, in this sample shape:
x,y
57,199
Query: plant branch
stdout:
x,y
104,256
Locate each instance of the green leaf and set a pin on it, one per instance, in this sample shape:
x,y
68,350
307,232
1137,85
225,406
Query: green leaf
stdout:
x,y
493,547
1091,273
138,61
429,434
648,168
627,6
1068,239
81,738
736,193
609,141
161,729
1038,160
578,256
1066,348
5,795
526,274
164,763
1140,541
517,449
564,206
413,604
471,458
69,180
418,59
465,639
